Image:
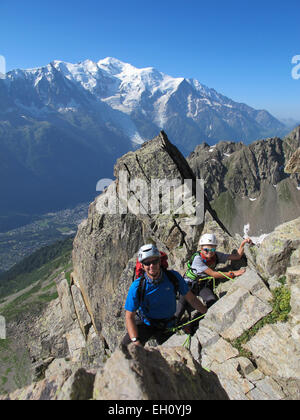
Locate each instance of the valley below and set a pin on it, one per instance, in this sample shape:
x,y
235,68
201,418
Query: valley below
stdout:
x,y
19,243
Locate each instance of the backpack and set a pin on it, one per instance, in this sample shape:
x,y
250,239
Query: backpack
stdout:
x,y
142,284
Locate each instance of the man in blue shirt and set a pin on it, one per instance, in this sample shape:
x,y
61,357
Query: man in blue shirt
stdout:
x,y
150,309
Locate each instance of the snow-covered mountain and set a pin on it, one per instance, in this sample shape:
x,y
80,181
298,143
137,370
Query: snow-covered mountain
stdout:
x,y
138,102
63,126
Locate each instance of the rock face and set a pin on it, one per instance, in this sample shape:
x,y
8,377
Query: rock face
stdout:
x,y
279,249
247,183
293,165
271,371
154,374
83,327
141,374
106,243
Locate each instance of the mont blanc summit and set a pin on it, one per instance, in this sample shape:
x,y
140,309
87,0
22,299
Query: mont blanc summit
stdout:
x,y
139,102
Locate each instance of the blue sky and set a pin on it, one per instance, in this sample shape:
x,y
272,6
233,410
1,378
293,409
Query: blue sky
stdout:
x,y
243,49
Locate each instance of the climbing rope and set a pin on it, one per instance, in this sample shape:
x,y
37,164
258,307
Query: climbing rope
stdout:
x,y
178,327
214,280
229,278
187,343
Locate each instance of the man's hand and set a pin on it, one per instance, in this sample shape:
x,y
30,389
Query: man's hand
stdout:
x,y
137,343
131,326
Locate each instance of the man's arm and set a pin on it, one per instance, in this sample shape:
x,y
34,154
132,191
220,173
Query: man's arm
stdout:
x,y
195,302
131,325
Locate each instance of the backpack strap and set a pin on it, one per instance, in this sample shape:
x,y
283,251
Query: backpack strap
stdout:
x,y
141,289
173,279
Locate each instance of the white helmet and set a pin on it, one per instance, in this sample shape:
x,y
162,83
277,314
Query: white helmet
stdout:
x,y
208,239
147,251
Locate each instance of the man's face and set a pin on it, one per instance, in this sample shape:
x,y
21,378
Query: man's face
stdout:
x,y
152,267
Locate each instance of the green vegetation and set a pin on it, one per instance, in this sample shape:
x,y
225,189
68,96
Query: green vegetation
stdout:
x,y
14,367
282,280
284,192
280,310
29,285
225,207
31,269
25,290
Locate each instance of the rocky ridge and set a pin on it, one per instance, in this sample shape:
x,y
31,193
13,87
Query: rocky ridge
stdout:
x,y
77,355
244,183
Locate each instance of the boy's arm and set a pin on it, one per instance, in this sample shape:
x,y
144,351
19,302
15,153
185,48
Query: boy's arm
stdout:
x,y
230,274
240,253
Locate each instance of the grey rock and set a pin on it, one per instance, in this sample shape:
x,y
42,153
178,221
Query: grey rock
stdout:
x,y
154,374
275,251
293,165
247,183
276,353
63,386
106,244
78,387
81,311
269,387
252,282
66,301
235,313
293,275
221,351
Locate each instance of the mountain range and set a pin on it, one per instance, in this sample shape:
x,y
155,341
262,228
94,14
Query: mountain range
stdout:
x,y
63,126
248,185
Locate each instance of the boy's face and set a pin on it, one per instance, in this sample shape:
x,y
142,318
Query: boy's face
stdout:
x,y
208,250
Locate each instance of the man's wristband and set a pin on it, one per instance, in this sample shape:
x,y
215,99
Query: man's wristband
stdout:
x,y
135,339
231,275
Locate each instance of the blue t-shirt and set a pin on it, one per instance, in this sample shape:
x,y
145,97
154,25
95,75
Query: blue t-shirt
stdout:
x,y
159,300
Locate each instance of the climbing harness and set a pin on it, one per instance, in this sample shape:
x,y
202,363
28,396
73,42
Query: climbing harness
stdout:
x,y
213,279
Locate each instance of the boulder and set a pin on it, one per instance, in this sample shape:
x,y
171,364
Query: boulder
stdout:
x,y
274,256
158,373
83,316
240,309
66,301
276,352
63,386
46,337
